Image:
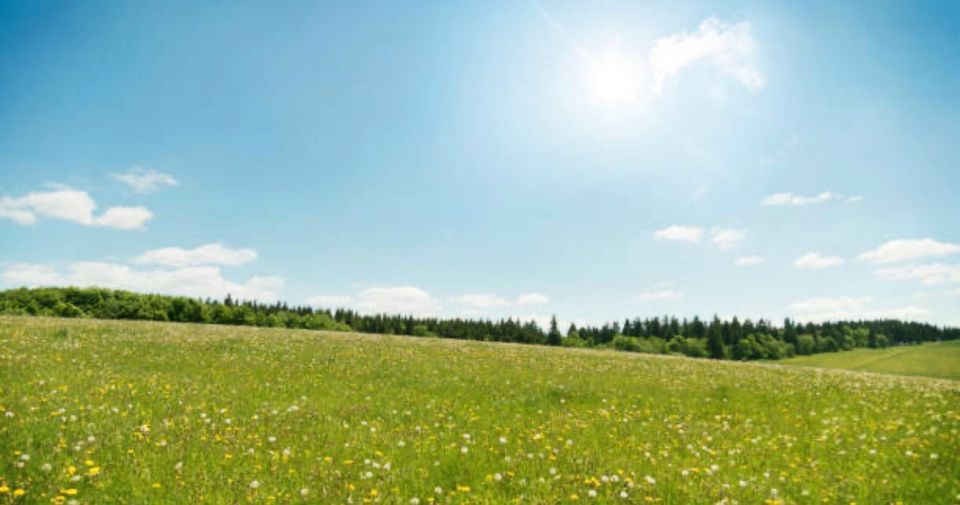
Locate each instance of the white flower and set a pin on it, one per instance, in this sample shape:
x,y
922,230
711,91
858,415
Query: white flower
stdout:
x,y
401,444
304,491
623,494
414,501
497,477
438,490
178,466
553,471
650,480
24,457
592,493
464,450
271,439
254,484
503,440
47,467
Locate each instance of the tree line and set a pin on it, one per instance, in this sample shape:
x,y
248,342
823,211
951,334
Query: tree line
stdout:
x,y
713,338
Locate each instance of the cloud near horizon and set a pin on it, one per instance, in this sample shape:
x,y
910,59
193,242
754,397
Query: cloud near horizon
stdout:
x,y
193,281
846,308
209,254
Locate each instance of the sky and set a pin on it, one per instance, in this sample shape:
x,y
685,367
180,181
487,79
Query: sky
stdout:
x,y
593,160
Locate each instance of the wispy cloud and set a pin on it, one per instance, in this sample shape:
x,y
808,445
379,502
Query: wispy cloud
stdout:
x,y
817,261
145,180
653,296
727,238
930,275
747,261
729,48
528,299
909,249
789,199
480,301
679,233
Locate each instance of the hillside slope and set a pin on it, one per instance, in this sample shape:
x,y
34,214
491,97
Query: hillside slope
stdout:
x,y
939,359
136,412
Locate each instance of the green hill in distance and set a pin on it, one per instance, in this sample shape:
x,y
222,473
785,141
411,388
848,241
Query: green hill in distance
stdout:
x,y
932,359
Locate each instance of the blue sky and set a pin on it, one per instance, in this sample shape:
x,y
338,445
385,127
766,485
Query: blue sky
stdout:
x,y
591,159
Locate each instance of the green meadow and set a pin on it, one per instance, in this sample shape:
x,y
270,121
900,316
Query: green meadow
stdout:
x,y
937,359
134,412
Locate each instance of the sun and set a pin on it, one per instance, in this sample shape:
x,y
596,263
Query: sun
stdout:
x,y
613,79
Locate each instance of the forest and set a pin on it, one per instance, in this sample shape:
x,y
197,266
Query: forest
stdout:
x,y
704,338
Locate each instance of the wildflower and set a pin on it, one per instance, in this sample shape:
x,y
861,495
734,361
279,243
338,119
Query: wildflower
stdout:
x,y
69,492
304,491
650,480
592,493
464,450
414,501
254,484
438,490
18,492
25,457
47,467
94,471
4,489
503,440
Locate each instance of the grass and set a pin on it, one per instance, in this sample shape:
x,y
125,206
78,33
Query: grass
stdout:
x,y
128,412
938,359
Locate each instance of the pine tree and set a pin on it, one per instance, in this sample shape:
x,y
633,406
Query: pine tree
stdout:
x,y
553,336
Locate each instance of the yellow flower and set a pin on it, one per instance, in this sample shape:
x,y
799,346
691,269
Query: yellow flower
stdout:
x,y
19,492
155,485
94,471
71,470
4,489
69,492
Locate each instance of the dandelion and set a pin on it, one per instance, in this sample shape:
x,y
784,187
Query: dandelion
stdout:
x,y
18,492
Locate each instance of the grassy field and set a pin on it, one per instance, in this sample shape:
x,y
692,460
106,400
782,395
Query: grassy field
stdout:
x,y
125,412
940,359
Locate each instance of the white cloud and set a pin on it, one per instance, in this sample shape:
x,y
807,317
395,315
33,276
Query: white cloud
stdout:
x,y
747,261
209,254
849,308
190,281
652,296
145,180
400,299
728,48
330,300
727,238
70,205
816,261
679,233
930,275
909,249
788,198
27,274
124,218
532,299
481,301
